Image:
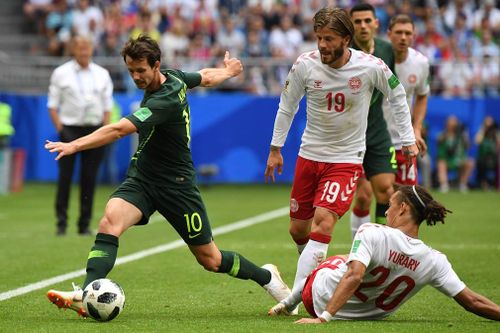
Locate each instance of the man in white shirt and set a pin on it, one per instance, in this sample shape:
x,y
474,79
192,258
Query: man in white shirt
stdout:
x,y
79,101
387,265
412,69
338,82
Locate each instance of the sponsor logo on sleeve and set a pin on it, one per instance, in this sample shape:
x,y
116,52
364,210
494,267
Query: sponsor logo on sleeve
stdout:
x,y
355,246
393,81
143,114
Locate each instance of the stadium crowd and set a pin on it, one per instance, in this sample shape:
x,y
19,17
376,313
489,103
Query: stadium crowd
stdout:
x,y
460,37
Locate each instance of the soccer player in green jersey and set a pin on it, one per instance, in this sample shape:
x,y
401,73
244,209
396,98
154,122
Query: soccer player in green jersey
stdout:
x,y
380,158
161,175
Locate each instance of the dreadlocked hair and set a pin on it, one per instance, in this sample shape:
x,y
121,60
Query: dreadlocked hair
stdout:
x,y
422,204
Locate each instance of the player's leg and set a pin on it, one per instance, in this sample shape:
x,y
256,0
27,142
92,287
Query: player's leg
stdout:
x,y
464,174
380,166
361,209
186,212
442,171
301,201
119,215
383,188
332,199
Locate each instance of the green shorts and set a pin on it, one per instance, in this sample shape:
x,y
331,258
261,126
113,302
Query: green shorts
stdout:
x,y
183,208
380,156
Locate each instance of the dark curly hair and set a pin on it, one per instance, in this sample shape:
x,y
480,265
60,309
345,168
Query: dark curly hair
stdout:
x,y
143,47
422,204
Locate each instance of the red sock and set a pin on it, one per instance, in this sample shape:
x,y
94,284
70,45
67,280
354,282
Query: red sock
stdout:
x,y
360,213
316,236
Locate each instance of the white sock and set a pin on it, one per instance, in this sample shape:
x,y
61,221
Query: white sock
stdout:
x,y
311,256
357,222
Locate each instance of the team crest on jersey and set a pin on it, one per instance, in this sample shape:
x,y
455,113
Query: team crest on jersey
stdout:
x,y
294,205
412,78
318,84
355,83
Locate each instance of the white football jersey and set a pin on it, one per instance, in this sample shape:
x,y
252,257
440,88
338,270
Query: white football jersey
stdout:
x,y
413,73
337,105
397,267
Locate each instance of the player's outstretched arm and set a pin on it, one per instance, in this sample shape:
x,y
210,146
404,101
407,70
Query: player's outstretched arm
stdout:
x,y
478,304
213,76
98,138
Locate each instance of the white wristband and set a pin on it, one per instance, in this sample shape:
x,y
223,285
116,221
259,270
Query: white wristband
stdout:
x,y
327,316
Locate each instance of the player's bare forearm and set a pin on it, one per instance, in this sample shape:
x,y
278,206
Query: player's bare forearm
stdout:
x,y
419,111
478,304
211,77
346,288
98,138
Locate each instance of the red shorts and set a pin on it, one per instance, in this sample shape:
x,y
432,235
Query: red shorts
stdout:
x,y
319,184
307,299
407,173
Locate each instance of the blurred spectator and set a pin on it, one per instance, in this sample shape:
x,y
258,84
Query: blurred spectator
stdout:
x,y
115,22
453,144
456,74
285,39
200,48
88,20
231,39
59,24
462,35
174,42
36,12
456,8
488,140
486,76
485,45
204,20
232,7
145,26
487,11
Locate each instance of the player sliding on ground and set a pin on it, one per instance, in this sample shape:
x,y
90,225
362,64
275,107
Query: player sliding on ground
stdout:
x,y
386,267
161,175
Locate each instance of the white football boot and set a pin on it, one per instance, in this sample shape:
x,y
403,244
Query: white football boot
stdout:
x,y
278,289
68,299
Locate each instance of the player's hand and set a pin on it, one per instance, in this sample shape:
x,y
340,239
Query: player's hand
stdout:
x,y
233,65
410,152
422,146
275,160
309,321
63,148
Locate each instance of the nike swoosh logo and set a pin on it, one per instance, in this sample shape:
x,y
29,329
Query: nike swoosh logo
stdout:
x,y
193,236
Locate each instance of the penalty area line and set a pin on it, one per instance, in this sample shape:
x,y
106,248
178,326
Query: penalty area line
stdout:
x,y
148,252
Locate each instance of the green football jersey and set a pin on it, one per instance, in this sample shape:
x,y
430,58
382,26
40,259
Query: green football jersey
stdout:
x,y
163,156
376,121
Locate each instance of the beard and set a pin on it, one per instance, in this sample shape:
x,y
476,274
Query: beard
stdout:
x,y
333,56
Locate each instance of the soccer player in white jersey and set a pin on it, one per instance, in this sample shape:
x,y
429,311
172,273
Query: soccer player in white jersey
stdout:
x,y
387,265
338,82
412,69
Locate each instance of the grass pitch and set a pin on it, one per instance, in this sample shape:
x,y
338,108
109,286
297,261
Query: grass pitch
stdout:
x,y
170,292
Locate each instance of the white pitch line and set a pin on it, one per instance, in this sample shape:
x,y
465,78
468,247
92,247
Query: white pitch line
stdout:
x,y
146,253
